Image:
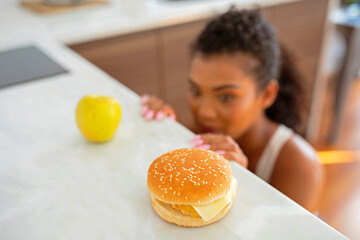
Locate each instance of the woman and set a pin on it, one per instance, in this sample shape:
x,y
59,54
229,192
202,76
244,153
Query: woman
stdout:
x,y
247,104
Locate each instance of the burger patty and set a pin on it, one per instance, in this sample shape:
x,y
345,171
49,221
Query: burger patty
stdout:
x,y
186,209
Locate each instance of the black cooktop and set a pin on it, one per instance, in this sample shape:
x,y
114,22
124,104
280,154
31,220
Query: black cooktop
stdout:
x,y
26,64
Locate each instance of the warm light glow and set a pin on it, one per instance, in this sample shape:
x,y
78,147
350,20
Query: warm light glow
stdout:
x,y
333,157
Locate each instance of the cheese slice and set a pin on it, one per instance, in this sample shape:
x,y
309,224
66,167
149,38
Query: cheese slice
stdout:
x,y
210,210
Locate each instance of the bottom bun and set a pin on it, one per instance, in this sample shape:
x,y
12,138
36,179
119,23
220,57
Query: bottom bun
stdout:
x,y
166,212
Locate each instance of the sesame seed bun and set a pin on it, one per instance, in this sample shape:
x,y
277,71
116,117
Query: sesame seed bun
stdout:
x,y
188,176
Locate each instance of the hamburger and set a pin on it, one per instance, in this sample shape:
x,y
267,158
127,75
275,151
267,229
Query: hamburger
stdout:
x,y
191,187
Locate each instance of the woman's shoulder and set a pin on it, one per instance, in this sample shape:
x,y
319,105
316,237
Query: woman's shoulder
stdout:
x,y
298,172
298,150
298,160
292,147
298,155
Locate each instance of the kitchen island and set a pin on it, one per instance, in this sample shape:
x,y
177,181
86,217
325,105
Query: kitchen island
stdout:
x,y
55,185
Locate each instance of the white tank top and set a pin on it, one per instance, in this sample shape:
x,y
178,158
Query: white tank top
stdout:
x,y
266,163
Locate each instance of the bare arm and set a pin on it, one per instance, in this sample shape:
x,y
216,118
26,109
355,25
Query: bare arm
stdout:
x,y
298,173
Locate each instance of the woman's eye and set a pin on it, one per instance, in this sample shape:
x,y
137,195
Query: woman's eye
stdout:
x,y
226,98
194,92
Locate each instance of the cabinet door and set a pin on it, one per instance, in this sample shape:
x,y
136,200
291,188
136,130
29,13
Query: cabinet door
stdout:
x,y
176,52
131,59
300,27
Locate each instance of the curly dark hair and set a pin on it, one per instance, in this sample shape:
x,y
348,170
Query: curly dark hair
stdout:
x,y
247,31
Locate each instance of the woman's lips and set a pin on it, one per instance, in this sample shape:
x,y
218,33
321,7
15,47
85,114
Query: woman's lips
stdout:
x,y
208,129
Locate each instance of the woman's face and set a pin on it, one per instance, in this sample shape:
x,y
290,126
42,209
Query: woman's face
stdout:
x,y
223,95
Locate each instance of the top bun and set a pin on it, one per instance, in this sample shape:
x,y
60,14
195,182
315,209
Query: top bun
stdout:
x,y
189,176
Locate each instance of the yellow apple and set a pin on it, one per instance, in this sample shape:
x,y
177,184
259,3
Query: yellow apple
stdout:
x,y
98,117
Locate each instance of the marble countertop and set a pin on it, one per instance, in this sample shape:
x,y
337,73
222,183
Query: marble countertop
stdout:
x,y
119,17
55,185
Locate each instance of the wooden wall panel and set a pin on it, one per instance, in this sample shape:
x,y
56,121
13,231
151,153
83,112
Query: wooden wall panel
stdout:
x,y
131,59
176,50
300,28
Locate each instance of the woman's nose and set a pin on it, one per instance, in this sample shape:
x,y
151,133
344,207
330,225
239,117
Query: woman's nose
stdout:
x,y
207,110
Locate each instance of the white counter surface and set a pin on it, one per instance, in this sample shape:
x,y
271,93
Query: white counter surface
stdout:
x,y
119,17
55,185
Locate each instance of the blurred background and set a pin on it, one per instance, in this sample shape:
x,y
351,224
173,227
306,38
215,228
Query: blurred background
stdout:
x,y
144,44
324,38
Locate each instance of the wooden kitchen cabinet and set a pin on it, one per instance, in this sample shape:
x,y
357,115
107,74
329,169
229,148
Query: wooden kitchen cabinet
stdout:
x,y
156,61
176,43
131,59
300,27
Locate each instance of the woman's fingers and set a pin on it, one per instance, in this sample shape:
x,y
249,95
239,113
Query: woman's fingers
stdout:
x,y
216,141
153,108
144,98
221,144
211,138
150,106
168,111
217,147
238,158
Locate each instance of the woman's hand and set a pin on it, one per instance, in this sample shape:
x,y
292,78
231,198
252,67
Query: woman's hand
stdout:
x,y
153,108
221,144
